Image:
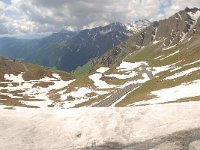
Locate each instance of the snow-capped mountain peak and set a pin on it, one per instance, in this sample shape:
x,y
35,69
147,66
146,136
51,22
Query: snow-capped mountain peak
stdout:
x,y
137,25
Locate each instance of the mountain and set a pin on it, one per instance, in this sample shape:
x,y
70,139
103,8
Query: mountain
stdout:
x,y
160,61
154,74
67,50
35,51
138,25
93,43
28,85
173,30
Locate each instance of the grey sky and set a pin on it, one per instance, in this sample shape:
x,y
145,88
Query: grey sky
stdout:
x,y
44,16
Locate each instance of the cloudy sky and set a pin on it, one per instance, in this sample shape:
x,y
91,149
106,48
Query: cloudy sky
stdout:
x,y
19,17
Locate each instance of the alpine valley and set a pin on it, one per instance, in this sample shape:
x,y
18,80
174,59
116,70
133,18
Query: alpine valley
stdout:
x,y
151,69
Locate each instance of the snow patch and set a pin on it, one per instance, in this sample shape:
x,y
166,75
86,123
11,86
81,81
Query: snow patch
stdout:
x,y
169,47
192,63
99,83
186,90
183,73
157,70
123,76
57,76
159,57
127,66
194,17
102,69
103,32
170,55
155,42
14,78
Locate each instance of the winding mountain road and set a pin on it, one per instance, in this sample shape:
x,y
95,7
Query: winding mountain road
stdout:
x,y
122,92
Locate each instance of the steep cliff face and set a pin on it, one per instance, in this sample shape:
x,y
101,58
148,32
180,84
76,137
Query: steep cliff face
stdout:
x,y
171,31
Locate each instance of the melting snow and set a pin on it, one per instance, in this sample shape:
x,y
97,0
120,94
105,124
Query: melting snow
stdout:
x,y
57,76
170,47
103,32
195,62
183,73
179,16
127,66
122,76
157,70
102,69
170,55
186,90
14,78
194,17
159,57
80,96
81,92
99,83
155,42
46,79
79,128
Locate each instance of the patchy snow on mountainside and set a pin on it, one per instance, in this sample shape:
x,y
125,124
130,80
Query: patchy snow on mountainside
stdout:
x,y
184,90
170,55
14,78
192,63
137,25
96,78
81,95
155,42
159,57
123,76
194,16
169,47
183,73
102,69
35,91
160,69
73,128
103,32
57,76
127,66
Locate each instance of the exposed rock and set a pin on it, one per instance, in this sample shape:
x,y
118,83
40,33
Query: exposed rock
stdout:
x,y
170,31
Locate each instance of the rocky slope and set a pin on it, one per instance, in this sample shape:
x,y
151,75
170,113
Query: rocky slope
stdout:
x,y
173,30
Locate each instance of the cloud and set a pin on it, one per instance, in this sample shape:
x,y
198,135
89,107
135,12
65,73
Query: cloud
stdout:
x,y
37,16
175,6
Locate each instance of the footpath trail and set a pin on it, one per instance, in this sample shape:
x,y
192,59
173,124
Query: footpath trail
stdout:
x,y
122,92
25,68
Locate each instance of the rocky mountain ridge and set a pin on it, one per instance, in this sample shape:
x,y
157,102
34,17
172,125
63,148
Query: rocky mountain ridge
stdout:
x,y
171,31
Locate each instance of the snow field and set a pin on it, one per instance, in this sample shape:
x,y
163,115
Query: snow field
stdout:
x,y
78,128
185,90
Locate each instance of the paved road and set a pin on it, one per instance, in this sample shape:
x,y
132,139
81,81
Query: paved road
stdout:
x,y
121,92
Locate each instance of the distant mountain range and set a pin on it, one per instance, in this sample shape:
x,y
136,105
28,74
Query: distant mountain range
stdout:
x,y
159,64
67,50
